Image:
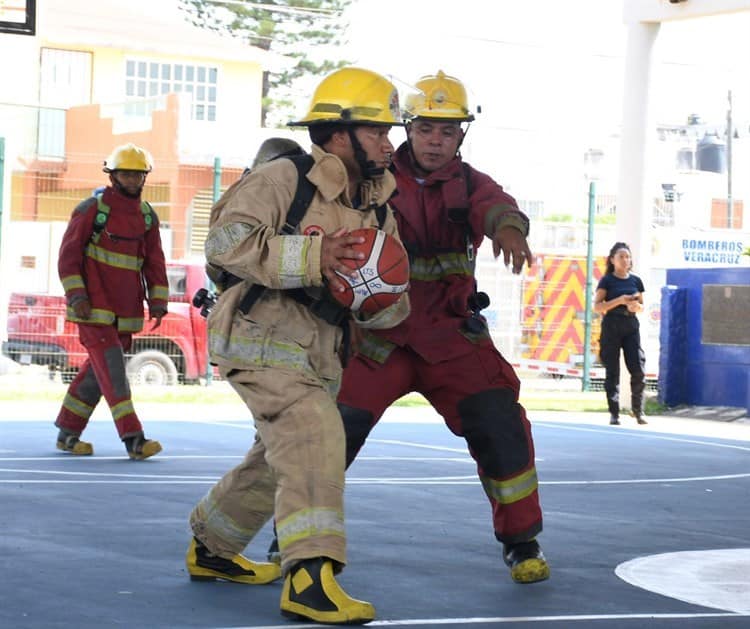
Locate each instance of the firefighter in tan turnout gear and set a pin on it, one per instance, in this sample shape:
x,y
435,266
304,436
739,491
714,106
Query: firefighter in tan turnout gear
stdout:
x,y
110,261
279,347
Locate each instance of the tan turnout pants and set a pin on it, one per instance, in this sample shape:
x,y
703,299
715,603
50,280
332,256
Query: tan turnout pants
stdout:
x,y
293,472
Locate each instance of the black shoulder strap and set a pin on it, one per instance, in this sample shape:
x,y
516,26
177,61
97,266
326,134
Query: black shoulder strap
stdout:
x,y
303,196
381,212
468,235
467,177
250,297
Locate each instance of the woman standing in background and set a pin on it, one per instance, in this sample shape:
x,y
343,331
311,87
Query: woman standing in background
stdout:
x,y
619,296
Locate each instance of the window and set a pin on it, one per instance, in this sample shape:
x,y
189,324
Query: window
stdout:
x,y
64,81
177,280
18,18
149,79
65,78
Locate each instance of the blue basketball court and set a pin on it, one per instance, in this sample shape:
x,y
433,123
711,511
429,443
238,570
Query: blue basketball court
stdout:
x,y
644,526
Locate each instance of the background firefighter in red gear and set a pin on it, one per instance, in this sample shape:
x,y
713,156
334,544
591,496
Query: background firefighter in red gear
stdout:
x,y
110,255
443,350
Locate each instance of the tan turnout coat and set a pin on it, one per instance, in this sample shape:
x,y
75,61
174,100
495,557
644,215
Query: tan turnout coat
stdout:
x,y
244,239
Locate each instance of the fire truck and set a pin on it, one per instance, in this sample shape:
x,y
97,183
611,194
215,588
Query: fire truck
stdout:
x,y
539,320
553,316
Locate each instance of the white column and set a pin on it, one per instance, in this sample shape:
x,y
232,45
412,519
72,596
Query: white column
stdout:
x,y
634,197
634,194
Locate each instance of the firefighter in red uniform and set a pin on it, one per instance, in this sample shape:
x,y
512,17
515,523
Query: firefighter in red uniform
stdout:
x,y
111,254
443,350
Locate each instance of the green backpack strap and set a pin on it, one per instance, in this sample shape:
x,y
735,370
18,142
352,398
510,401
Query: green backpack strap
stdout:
x,y
149,215
102,215
100,220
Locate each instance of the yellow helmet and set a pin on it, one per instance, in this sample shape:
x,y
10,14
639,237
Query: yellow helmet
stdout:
x,y
129,157
353,96
440,97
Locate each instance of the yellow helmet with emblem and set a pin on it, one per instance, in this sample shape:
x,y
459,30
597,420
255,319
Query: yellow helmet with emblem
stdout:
x,y
438,97
353,96
129,157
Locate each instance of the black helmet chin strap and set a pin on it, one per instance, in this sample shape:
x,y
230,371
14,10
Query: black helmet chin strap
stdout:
x,y
118,186
458,148
368,167
463,137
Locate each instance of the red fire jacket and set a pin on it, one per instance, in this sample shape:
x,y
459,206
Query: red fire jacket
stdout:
x,y
429,213
112,271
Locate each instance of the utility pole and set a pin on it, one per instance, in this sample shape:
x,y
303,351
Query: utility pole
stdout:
x,y
2,179
216,194
586,383
730,133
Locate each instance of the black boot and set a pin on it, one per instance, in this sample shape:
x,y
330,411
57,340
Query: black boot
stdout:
x,y
202,565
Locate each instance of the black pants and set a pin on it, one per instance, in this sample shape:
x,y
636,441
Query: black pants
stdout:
x,y
620,331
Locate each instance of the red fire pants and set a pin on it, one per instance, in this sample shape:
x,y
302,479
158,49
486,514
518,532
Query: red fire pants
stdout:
x,y
101,374
476,392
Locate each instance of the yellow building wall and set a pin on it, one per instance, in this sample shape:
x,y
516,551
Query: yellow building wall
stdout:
x,y
239,86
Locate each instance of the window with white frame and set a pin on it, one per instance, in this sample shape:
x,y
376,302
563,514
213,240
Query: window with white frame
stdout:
x,y
151,79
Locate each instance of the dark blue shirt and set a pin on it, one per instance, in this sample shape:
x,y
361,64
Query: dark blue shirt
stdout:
x,y
617,286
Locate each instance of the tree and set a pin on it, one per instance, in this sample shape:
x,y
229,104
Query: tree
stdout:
x,y
294,28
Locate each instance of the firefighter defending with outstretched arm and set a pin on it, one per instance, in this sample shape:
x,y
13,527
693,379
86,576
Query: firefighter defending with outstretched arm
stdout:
x,y
443,350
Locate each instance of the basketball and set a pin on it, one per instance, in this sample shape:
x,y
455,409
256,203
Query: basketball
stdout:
x,y
382,276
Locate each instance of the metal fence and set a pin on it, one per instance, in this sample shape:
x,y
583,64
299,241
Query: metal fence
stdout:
x,y
41,199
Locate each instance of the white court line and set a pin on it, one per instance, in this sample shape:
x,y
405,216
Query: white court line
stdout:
x,y
237,457
649,435
718,578
52,481
431,622
112,475
431,480
403,480
411,444
70,459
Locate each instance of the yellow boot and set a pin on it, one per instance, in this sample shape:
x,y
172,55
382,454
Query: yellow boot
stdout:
x,y
204,566
526,562
140,448
68,442
311,593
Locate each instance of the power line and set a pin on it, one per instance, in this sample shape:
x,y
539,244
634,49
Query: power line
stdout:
x,y
309,12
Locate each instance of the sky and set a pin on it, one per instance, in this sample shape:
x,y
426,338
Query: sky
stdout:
x,y
549,74
524,58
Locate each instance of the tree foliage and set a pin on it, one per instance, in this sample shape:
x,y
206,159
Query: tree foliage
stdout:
x,y
295,28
